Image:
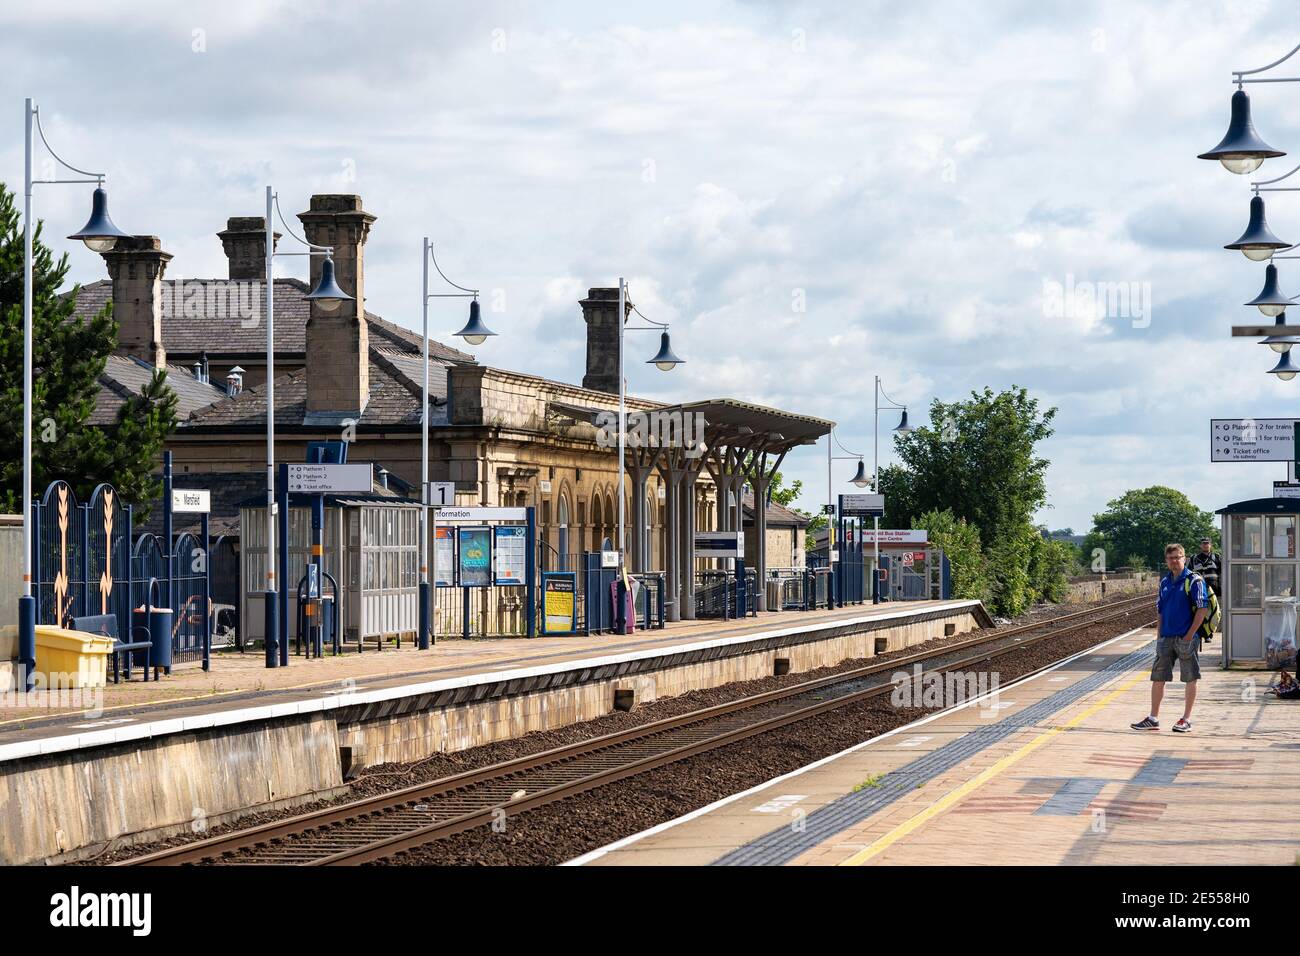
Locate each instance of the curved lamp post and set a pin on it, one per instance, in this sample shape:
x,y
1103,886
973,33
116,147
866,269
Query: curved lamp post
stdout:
x,y
665,360
100,235
327,297
901,428
474,333
1242,150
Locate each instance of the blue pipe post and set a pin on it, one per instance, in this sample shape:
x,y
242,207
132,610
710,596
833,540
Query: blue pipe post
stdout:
x,y
168,546
317,532
530,571
207,595
282,559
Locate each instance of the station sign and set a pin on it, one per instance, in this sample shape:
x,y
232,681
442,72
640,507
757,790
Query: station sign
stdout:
x,y
862,506
481,514
719,544
609,559
324,479
896,536
1252,439
441,493
191,501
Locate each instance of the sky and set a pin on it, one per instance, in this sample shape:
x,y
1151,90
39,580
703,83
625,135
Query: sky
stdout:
x,y
811,194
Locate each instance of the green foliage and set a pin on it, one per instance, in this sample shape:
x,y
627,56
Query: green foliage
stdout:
x,y
68,358
1139,524
1050,564
977,460
960,541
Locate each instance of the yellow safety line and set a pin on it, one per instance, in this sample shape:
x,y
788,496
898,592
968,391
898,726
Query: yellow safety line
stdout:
x,y
907,826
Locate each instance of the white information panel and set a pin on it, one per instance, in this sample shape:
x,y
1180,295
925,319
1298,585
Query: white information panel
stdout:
x,y
896,536
324,479
1252,439
479,515
509,554
191,502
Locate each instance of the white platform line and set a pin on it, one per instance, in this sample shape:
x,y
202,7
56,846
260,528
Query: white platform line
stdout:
x,y
718,804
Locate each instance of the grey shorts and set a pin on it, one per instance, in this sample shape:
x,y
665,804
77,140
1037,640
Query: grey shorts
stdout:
x,y
1169,648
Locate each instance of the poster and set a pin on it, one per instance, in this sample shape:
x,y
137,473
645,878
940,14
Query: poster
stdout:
x,y
559,607
475,552
444,557
509,554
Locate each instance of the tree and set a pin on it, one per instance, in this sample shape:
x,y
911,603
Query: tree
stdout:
x,y
960,541
978,460
68,358
1139,523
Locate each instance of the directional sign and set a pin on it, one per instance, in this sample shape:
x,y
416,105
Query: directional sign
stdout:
x,y
191,502
318,479
862,506
719,544
1284,489
1252,439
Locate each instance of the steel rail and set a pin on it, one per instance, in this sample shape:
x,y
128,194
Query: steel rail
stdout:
x,y
370,811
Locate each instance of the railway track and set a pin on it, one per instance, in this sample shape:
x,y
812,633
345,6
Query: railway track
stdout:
x,y
383,825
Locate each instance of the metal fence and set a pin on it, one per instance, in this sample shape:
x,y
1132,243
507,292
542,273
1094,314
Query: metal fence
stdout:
x,y
721,594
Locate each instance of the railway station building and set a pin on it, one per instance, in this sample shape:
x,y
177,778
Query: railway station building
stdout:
x,y
504,437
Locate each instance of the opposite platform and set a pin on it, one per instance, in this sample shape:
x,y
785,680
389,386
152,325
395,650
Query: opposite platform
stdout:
x,y
1044,772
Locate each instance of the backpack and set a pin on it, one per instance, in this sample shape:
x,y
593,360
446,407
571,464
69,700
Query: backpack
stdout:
x,y
1213,612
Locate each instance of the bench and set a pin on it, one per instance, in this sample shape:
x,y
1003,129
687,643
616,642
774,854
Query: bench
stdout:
x,y
106,624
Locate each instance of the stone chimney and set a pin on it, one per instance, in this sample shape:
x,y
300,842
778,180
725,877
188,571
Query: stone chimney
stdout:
x,y
136,265
338,344
244,240
600,312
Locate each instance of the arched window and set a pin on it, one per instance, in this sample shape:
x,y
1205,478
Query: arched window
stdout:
x,y
562,524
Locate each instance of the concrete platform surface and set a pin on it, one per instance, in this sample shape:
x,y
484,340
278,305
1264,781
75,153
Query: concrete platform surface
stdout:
x,y
240,688
1045,771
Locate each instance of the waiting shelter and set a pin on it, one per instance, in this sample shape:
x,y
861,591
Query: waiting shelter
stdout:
x,y
1259,578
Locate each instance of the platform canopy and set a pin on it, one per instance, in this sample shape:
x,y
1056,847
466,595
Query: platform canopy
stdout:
x,y
736,442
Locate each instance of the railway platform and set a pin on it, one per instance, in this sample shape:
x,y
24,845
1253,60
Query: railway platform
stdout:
x,y
1043,771
154,756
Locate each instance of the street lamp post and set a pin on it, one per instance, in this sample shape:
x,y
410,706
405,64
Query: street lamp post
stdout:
x,y
860,479
328,297
902,428
474,333
665,361
100,235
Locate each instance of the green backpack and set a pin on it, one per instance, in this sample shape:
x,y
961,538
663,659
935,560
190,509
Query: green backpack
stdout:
x,y
1211,623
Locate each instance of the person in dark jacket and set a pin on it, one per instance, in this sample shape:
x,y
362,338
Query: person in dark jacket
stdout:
x,y
1208,565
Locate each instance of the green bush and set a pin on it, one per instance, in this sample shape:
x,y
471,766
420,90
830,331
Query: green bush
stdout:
x,y
1050,564
960,542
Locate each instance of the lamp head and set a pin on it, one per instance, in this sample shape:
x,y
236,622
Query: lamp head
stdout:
x,y
861,479
1241,150
475,332
903,427
665,361
1284,369
327,295
1258,243
1272,301
99,234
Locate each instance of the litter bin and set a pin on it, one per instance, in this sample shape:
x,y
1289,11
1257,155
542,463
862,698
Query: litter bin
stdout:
x,y
1279,632
70,658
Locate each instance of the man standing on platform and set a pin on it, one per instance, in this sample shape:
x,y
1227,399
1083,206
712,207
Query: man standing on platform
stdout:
x,y
1181,591
1208,565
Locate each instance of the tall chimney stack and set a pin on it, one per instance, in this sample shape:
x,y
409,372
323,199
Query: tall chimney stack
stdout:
x,y
600,312
136,265
244,240
338,344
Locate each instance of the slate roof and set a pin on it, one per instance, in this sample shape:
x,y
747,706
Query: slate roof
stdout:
x,y
126,376
225,329
395,390
777,515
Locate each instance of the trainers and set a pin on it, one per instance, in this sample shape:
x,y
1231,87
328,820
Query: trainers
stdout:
x,y
1146,723
1183,726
